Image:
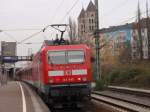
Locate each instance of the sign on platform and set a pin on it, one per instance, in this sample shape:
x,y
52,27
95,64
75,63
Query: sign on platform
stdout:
x,y
8,48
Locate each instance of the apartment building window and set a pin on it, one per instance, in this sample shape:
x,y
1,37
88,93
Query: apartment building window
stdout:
x,y
89,20
82,26
92,21
83,21
134,54
90,28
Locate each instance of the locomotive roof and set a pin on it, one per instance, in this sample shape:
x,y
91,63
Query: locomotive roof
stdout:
x,y
66,47
50,45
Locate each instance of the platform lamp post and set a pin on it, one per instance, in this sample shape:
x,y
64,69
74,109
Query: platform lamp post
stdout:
x,y
1,56
2,59
2,64
97,43
1,51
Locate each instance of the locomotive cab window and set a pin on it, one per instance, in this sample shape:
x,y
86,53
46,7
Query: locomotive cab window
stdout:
x,y
64,57
76,56
56,57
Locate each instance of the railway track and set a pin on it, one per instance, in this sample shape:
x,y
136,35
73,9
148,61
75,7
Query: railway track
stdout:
x,y
122,104
139,92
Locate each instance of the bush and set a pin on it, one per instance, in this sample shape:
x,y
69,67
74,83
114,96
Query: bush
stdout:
x,y
131,75
143,80
112,76
100,85
127,75
146,81
122,75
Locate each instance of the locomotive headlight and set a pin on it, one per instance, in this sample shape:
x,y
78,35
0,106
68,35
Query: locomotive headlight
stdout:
x,y
51,81
79,72
79,79
55,73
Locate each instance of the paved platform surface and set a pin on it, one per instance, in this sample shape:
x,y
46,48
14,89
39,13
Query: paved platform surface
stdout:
x,y
19,97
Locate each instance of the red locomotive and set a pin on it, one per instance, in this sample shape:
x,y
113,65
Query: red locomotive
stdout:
x,y
60,72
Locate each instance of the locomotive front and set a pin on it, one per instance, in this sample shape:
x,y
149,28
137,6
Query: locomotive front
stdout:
x,y
68,75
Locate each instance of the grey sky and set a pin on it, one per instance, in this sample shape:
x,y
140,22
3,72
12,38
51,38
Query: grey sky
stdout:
x,y
31,14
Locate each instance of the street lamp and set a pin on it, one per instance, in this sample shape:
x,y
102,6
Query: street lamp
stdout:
x,y
97,42
2,66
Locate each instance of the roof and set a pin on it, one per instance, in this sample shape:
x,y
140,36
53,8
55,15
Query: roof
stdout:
x,y
116,28
66,47
82,13
91,7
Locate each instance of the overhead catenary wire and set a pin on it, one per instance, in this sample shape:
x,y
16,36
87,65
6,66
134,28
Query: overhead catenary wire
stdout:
x,y
31,36
68,12
13,38
21,29
10,36
131,18
54,15
56,10
118,6
29,43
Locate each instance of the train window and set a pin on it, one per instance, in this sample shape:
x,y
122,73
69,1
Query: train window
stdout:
x,y
56,57
76,56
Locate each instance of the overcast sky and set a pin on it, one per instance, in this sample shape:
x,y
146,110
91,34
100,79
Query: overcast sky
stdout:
x,y
36,14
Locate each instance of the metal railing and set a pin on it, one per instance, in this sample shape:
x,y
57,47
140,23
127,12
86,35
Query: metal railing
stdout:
x,y
13,59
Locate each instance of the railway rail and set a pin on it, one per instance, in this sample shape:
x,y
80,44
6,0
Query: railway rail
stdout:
x,y
123,104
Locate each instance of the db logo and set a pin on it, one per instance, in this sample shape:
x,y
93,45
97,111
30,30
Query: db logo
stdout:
x,y
68,72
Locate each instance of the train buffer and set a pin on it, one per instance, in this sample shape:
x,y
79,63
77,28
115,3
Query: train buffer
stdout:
x,y
19,97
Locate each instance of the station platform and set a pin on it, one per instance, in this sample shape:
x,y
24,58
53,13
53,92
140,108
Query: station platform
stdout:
x,y
19,97
146,91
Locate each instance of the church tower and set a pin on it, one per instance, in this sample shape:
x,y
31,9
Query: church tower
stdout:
x,y
87,20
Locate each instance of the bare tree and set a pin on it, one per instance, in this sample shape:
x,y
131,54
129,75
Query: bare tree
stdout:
x,y
139,32
73,30
148,28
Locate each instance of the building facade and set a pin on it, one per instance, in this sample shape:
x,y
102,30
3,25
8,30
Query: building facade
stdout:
x,y
122,43
116,41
